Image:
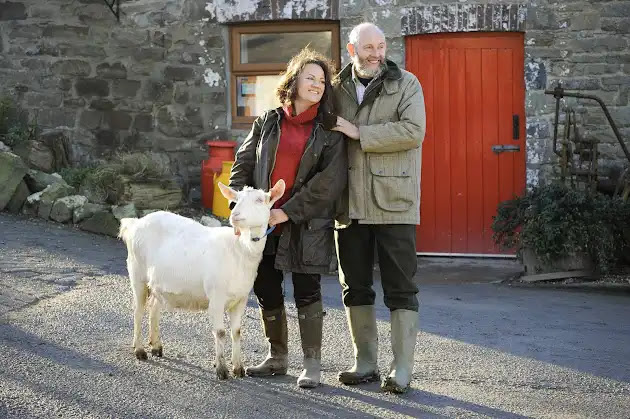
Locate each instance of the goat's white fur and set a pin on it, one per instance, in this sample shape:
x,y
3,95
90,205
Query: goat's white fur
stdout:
x,y
175,262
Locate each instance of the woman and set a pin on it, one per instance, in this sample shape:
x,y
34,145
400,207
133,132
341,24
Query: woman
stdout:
x,y
290,143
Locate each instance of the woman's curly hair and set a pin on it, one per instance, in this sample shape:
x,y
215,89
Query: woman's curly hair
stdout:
x,y
286,91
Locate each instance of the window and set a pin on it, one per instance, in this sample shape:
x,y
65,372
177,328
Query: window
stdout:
x,y
261,52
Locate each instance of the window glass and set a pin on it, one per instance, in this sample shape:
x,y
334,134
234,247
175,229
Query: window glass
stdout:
x,y
259,48
256,94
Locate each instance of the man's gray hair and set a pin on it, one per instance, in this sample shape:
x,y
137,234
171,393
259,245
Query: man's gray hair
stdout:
x,y
353,38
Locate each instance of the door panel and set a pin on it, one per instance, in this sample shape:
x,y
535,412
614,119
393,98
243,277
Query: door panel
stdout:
x,y
473,86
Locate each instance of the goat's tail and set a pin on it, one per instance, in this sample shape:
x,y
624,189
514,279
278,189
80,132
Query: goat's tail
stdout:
x,y
127,228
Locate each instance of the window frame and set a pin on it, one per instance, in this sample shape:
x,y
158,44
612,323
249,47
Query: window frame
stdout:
x,y
265,69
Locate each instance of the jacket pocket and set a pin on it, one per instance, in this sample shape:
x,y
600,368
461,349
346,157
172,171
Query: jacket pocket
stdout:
x,y
392,184
318,241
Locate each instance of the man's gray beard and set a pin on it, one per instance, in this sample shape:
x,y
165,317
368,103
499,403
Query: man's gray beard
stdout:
x,y
365,73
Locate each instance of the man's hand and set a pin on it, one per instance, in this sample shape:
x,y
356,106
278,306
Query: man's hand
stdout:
x,y
347,127
278,216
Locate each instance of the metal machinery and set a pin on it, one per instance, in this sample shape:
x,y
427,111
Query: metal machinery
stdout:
x,y
578,156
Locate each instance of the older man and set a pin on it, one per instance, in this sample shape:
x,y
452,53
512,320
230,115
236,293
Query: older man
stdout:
x,y
381,110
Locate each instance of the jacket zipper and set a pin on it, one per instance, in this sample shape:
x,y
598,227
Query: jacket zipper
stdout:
x,y
365,94
309,143
275,153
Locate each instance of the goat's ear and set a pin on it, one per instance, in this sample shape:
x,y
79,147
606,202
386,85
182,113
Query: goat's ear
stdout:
x,y
227,192
276,192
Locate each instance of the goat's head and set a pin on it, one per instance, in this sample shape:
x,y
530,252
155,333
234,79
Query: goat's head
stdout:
x,y
252,206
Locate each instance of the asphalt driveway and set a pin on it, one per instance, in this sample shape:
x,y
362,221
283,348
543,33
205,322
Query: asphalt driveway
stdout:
x,y
484,350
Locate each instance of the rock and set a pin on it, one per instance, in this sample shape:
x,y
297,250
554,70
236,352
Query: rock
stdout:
x,y
50,195
92,87
210,221
55,191
44,209
86,211
31,205
38,181
4,147
153,195
124,211
111,71
49,153
36,155
101,223
12,170
41,157
19,197
93,193
142,213
63,208
194,195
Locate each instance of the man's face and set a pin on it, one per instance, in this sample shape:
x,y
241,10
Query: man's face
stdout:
x,y
368,55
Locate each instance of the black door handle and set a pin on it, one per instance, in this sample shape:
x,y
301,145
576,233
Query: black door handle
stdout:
x,y
500,148
515,127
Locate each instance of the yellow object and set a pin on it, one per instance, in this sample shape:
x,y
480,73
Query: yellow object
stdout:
x,y
220,205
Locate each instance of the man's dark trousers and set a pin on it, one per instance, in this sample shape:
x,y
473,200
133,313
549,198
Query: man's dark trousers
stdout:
x,y
396,247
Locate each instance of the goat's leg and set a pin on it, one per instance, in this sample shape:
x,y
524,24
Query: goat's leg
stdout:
x,y
236,316
154,327
216,308
140,294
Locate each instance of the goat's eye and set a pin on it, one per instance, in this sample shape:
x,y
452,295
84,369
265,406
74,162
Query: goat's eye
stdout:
x,y
260,201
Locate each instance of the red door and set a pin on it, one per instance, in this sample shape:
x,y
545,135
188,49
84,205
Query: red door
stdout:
x,y
473,155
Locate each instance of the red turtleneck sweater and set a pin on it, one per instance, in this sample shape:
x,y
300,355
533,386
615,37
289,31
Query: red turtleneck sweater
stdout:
x,y
294,133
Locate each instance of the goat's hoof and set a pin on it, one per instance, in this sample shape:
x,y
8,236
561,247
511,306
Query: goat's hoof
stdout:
x,y
239,372
157,352
222,373
141,354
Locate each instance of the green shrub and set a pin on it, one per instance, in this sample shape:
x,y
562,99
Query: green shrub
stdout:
x,y
555,221
106,181
75,176
15,127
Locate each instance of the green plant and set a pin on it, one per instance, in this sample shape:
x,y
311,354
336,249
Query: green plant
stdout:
x,y
141,166
555,221
75,176
105,182
15,127
20,133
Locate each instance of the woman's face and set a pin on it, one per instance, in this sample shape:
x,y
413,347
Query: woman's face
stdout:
x,y
311,84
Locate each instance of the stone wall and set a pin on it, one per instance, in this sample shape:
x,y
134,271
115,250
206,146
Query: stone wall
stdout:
x,y
585,45
158,78
155,80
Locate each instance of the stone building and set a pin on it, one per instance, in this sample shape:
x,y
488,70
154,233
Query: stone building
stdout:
x,y
167,75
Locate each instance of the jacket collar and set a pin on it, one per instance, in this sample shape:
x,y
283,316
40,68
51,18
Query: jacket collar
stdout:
x,y
277,114
389,77
391,73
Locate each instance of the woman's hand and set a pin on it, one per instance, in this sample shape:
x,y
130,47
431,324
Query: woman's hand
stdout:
x,y
347,128
278,216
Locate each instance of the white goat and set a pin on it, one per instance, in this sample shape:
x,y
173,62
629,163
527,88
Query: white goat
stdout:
x,y
175,262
